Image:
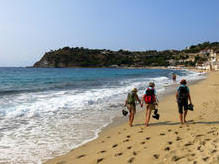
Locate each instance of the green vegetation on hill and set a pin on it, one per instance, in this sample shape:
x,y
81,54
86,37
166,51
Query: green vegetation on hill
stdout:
x,y
204,46
83,57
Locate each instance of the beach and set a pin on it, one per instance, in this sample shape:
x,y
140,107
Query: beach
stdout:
x,y
56,110
165,140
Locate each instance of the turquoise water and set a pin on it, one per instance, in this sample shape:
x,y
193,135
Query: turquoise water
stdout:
x,y
47,112
16,80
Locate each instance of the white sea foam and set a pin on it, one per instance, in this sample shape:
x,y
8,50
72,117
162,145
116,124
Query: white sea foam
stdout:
x,y
41,125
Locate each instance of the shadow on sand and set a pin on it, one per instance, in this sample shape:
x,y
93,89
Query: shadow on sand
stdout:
x,y
177,123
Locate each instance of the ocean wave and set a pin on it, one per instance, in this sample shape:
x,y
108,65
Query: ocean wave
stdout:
x,y
52,122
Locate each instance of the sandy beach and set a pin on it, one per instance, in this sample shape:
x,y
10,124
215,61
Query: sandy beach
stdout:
x,y
164,141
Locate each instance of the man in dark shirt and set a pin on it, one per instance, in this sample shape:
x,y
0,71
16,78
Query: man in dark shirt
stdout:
x,y
182,97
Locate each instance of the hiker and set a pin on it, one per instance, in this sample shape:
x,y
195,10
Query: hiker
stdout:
x,y
150,100
182,97
131,104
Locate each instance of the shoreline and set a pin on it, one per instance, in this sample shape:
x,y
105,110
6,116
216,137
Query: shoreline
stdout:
x,y
116,123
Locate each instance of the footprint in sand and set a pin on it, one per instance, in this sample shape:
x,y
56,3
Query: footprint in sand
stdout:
x,y
188,144
81,156
129,147
193,154
128,136
162,134
99,160
126,140
205,159
212,131
169,130
114,145
148,138
134,153
167,148
140,131
207,139
170,142
131,160
176,132
102,141
102,151
118,154
142,143
176,158
108,137
178,138
199,148
213,151
156,156
199,135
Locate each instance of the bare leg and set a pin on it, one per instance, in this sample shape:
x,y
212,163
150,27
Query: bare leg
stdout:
x,y
148,115
181,118
185,114
131,118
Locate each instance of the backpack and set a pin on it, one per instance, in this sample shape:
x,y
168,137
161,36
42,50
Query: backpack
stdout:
x,y
149,96
131,98
182,93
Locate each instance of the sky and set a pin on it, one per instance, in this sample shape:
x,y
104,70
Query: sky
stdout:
x,y
29,28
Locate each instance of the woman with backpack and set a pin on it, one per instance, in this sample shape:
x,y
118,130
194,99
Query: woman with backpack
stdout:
x,y
150,100
182,97
131,104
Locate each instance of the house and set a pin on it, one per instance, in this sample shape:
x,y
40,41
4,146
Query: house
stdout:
x,y
212,63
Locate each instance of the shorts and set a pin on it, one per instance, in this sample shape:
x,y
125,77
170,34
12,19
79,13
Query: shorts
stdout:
x,y
181,106
131,108
151,106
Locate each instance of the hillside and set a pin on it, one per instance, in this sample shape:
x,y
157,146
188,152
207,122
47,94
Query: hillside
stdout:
x,y
83,57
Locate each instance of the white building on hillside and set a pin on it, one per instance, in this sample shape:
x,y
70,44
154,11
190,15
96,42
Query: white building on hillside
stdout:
x,y
212,63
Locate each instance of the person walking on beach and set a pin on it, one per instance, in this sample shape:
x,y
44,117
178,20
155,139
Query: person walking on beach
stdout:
x,y
182,97
131,104
174,77
150,100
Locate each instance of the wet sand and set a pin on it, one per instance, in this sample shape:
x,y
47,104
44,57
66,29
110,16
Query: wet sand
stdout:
x,y
164,141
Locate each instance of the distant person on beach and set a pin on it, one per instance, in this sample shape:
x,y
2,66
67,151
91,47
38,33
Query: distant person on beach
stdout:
x,y
174,77
130,103
182,97
150,100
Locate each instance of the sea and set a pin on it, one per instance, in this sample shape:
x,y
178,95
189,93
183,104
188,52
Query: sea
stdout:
x,y
46,112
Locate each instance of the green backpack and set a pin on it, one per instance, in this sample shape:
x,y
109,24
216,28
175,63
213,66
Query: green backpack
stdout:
x,y
131,98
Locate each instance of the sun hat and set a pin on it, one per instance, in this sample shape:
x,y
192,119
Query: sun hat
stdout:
x,y
183,81
134,90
